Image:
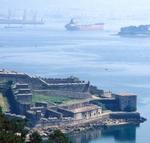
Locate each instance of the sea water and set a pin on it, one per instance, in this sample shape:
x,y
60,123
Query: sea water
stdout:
x,y
112,63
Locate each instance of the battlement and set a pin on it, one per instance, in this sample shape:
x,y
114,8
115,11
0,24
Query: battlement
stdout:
x,y
7,72
66,84
68,80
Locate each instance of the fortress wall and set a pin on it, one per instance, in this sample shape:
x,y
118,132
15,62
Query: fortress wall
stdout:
x,y
15,78
109,104
76,105
94,90
65,112
62,80
125,115
75,95
33,82
22,108
24,98
52,113
38,83
69,87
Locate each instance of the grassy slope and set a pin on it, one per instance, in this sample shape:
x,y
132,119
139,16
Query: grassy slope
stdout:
x,y
4,103
49,99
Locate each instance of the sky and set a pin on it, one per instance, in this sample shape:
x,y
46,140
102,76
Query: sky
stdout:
x,y
109,5
105,9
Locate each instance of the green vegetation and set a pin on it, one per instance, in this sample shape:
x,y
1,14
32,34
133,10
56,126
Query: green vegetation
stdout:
x,y
58,137
4,103
35,138
49,99
11,131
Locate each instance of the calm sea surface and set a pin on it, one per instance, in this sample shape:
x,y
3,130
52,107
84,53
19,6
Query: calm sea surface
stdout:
x,y
108,61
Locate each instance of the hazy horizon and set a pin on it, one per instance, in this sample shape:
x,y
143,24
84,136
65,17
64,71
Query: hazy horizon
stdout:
x,y
114,13
114,7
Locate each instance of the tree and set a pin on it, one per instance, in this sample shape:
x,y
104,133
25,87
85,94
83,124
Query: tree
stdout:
x,y
1,111
10,137
35,138
58,137
12,130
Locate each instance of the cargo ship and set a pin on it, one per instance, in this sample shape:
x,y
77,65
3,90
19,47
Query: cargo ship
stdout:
x,y
9,20
141,30
73,26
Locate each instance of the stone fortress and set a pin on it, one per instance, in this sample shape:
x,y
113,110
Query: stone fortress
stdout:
x,y
87,102
22,92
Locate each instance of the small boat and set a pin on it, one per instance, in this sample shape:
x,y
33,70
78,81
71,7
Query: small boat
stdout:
x,y
73,26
